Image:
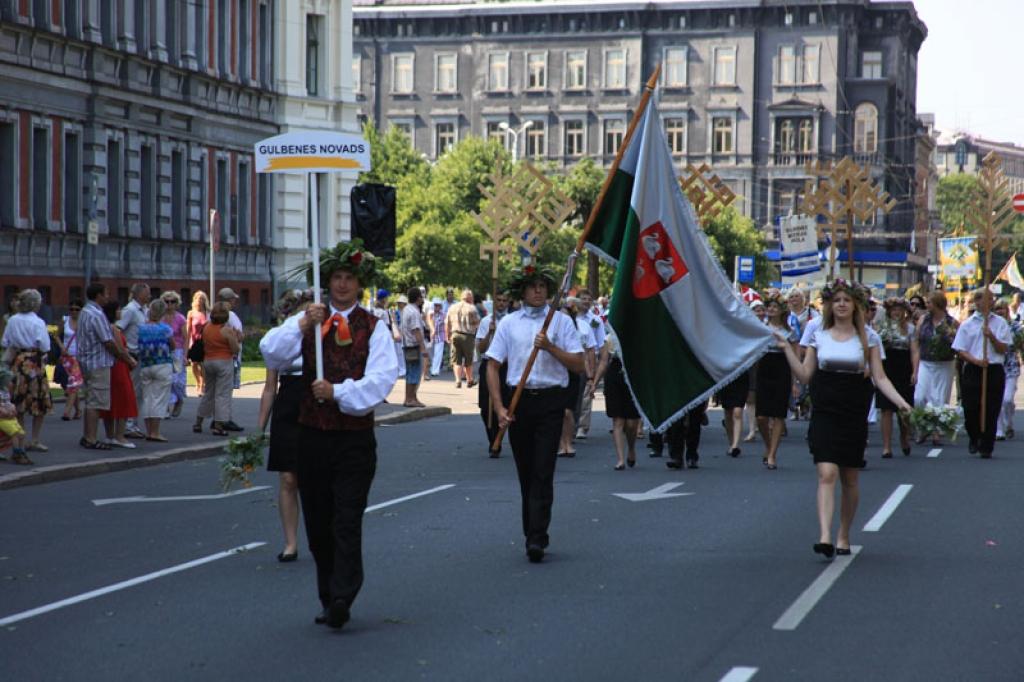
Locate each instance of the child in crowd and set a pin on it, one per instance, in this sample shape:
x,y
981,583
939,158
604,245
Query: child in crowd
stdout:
x,y
11,432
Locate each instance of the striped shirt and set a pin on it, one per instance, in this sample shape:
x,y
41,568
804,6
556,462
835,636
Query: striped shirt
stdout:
x,y
93,332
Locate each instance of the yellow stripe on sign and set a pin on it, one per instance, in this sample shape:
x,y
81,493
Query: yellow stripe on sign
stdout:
x,y
309,163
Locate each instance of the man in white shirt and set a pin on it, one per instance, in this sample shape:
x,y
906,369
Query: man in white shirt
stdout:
x,y
133,314
535,428
593,320
228,296
337,448
414,346
979,348
484,335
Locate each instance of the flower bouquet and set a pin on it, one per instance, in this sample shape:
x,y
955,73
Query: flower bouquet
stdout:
x,y
932,419
244,454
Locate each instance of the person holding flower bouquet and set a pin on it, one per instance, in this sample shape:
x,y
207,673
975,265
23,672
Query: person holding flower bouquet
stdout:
x,y
1011,366
843,358
980,347
901,358
337,449
935,371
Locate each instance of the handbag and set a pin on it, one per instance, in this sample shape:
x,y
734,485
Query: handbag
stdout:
x,y
69,363
411,353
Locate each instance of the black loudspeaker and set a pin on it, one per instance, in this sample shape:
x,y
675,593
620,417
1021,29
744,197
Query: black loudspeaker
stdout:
x,y
373,218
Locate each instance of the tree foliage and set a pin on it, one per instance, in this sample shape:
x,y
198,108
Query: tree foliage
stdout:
x,y
954,196
732,234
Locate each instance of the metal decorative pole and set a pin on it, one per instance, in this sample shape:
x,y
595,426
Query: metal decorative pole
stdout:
x,y
567,280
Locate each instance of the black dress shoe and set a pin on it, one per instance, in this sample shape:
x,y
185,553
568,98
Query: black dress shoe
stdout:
x,y
494,454
972,447
735,452
842,551
692,463
674,464
337,614
285,558
231,426
321,617
535,553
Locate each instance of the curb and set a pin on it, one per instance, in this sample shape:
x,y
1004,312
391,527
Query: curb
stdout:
x,y
64,472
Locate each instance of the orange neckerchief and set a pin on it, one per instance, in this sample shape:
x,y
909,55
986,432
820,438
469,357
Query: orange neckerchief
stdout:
x,y
342,333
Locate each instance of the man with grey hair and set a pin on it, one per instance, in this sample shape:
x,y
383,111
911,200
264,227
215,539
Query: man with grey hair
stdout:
x,y
134,314
461,322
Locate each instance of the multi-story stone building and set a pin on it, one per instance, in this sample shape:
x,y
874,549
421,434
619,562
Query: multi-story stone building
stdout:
x,y
754,88
141,116
963,152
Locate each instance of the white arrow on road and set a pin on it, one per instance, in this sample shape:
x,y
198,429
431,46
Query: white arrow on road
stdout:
x,y
178,498
659,493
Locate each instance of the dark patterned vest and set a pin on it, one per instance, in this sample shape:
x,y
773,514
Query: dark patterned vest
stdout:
x,y
340,363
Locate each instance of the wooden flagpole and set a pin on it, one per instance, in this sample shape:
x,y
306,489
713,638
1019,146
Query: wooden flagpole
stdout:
x,y
652,82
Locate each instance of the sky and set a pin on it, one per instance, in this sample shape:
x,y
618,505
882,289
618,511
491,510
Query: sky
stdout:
x,y
971,67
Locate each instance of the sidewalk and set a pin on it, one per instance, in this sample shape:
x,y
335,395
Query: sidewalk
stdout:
x,y
67,459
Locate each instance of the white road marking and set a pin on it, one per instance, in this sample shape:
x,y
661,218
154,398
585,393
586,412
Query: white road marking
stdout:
x,y
31,613
178,498
409,497
932,454
659,493
886,510
740,673
806,601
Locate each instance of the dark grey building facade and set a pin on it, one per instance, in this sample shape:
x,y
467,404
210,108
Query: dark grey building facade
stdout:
x,y
754,88
140,116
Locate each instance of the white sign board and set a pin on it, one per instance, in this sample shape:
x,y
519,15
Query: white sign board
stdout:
x,y
799,236
312,152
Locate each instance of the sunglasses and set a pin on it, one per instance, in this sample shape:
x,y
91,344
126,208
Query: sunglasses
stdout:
x,y
74,310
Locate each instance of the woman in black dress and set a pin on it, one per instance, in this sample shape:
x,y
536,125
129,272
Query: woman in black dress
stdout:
x,y
774,381
733,397
841,361
279,405
618,402
901,357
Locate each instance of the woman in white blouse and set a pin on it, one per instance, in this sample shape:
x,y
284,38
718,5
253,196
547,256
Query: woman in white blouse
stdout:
x,y
843,359
26,343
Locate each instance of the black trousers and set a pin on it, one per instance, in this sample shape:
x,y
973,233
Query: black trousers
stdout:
x,y
484,401
970,388
534,439
335,471
684,435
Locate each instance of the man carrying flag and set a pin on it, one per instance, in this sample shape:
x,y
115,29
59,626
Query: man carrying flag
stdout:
x,y
684,332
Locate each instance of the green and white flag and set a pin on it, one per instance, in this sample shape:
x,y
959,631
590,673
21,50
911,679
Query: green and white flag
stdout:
x,y
683,331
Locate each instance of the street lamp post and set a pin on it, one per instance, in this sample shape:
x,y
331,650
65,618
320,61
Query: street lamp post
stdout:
x,y
515,133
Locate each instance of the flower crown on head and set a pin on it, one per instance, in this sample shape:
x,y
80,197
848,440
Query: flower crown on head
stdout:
x,y
350,256
896,302
778,299
857,291
529,273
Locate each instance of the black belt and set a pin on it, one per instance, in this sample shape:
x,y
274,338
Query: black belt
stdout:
x,y
538,392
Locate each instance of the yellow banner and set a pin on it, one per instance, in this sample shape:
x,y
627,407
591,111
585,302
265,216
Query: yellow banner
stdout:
x,y
958,258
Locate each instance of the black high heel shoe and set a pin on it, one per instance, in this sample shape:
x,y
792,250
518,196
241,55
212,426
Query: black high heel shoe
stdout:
x,y
843,551
825,548
906,451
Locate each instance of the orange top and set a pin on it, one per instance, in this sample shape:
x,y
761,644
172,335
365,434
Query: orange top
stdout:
x,y
215,346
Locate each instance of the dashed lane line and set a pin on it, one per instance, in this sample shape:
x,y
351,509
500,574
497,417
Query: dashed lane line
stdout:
x,y
887,509
799,609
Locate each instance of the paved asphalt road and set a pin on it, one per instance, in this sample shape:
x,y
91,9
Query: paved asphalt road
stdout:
x,y
693,587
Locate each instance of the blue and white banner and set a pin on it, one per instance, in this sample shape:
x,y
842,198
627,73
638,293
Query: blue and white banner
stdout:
x,y
799,245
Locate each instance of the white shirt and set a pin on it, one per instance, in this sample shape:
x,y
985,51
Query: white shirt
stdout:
x,y
813,325
281,345
587,337
842,356
969,336
513,342
24,331
412,320
132,315
597,327
485,325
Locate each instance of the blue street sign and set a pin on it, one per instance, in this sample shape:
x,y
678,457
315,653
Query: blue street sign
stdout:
x,y
746,269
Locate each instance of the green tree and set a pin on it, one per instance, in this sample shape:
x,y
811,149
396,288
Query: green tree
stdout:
x,y
732,234
392,157
953,196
